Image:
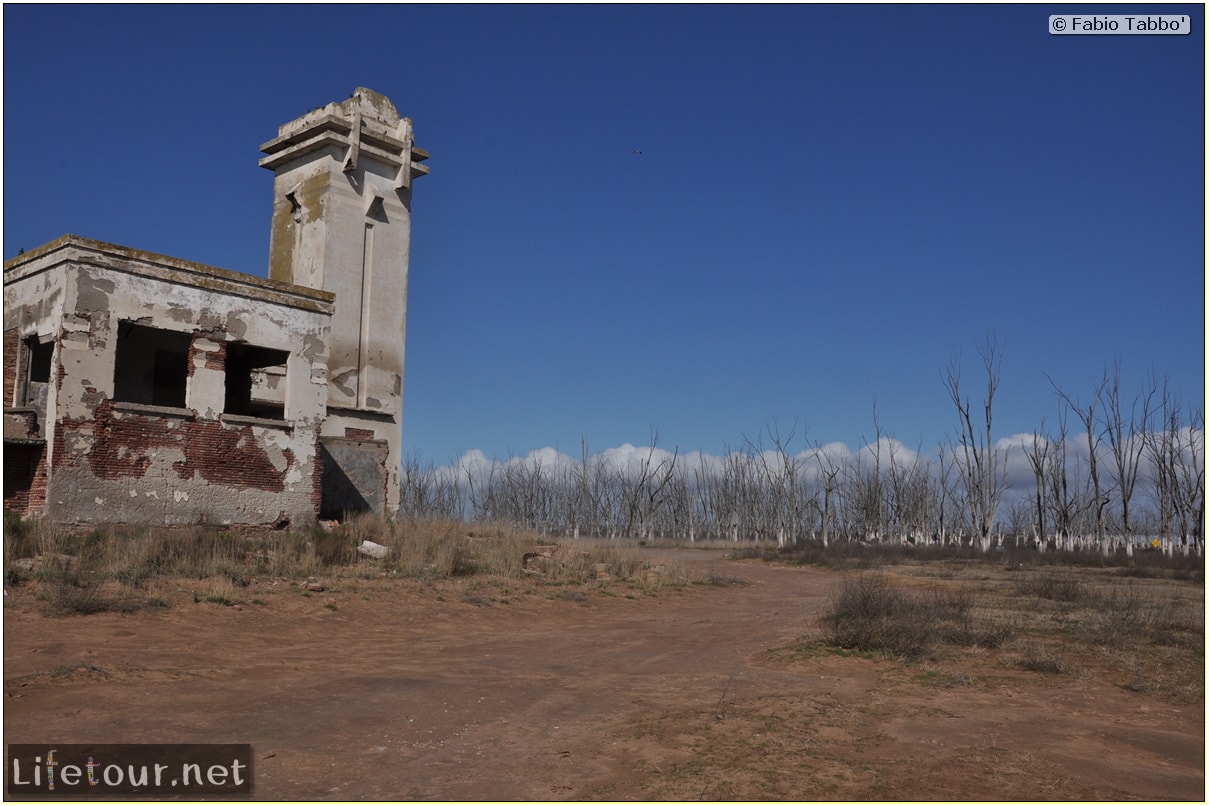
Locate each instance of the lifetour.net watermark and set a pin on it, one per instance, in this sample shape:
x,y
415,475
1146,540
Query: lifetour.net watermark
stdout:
x,y
73,770
1120,24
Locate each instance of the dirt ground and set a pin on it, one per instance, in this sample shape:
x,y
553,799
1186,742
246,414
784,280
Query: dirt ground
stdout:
x,y
390,689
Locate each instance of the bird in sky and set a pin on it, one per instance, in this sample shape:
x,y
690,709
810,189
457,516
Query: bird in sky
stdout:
x,y
638,151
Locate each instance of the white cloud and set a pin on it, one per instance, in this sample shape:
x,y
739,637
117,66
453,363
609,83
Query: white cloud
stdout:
x,y
630,461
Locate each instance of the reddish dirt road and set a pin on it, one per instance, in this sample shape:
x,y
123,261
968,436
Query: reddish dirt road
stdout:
x,y
402,692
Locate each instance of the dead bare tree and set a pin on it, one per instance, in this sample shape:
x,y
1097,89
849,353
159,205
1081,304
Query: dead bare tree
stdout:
x,y
781,474
705,517
983,471
1183,454
576,489
912,502
431,492
1019,518
1040,458
1125,431
862,499
865,491
1190,480
1086,413
481,491
681,509
1070,497
737,495
644,494
945,494
829,481
1162,450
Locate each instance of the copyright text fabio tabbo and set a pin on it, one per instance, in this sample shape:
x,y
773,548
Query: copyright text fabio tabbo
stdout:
x,y
1120,24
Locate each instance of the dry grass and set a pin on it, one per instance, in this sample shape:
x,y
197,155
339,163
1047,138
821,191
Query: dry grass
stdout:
x,y
1060,585
872,612
111,568
1146,634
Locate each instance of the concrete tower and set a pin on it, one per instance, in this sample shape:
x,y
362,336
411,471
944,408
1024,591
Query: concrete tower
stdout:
x,y
342,223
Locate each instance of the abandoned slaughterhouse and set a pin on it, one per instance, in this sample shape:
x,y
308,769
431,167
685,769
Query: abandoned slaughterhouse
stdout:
x,y
140,388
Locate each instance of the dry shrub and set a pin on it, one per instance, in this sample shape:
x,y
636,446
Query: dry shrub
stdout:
x,y
440,549
1057,586
1127,615
586,561
220,590
20,538
1180,626
871,613
1037,658
336,548
714,579
133,555
984,631
70,591
953,604
450,549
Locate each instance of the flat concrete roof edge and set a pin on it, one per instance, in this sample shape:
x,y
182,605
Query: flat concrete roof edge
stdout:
x,y
197,273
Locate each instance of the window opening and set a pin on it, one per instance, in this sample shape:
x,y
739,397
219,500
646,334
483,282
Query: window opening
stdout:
x,y
152,366
37,373
255,381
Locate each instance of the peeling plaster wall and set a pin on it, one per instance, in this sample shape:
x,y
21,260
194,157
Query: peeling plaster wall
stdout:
x,y
32,308
323,244
123,462
342,222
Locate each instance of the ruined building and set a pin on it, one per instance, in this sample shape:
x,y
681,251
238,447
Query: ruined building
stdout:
x,y
140,388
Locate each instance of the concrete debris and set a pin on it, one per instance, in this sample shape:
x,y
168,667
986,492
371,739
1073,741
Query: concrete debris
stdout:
x,y
371,549
540,558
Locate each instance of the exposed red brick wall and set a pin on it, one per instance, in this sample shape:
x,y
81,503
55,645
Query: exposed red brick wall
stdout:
x,y
317,477
358,433
221,455
37,489
123,447
215,359
120,448
12,354
24,478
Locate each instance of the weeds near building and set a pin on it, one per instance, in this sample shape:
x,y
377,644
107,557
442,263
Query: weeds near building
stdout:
x,y
115,569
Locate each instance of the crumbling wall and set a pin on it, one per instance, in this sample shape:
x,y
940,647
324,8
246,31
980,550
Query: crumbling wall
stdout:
x,y
12,350
32,310
152,464
118,454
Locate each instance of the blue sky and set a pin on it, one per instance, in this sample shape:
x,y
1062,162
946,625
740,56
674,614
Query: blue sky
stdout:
x,y
830,202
